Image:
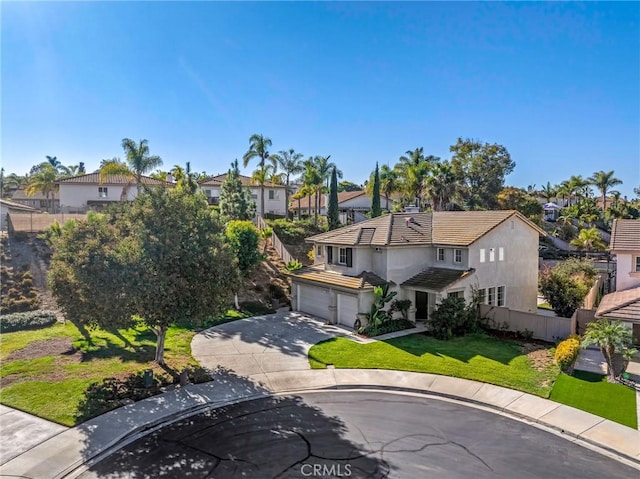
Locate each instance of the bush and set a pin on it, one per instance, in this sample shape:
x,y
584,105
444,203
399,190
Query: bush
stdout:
x,y
388,326
452,318
293,232
255,308
565,286
276,291
293,265
567,352
28,320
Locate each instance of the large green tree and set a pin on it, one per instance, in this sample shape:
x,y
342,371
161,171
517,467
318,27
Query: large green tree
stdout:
x,y
412,168
138,162
589,240
235,199
565,285
44,180
604,181
243,238
375,196
162,258
441,186
481,169
333,216
259,148
290,163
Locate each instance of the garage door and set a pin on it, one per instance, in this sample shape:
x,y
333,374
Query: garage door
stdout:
x,y
314,301
347,309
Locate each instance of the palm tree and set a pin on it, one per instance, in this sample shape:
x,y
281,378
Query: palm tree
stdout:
x,y
412,169
311,183
604,181
440,186
116,166
258,148
45,181
290,163
610,337
548,192
138,163
53,161
388,182
579,186
185,178
589,240
563,190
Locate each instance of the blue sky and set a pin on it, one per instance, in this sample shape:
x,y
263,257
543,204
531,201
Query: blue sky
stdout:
x,y
558,84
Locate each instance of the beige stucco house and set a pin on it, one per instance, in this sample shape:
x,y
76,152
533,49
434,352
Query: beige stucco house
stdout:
x,y
352,205
38,200
425,257
624,303
90,192
274,196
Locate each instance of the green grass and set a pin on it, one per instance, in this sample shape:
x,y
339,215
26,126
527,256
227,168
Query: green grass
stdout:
x,y
592,393
477,357
546,306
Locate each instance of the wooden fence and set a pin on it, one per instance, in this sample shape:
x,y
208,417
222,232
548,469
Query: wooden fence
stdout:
x,y
37,222
547,328
278,245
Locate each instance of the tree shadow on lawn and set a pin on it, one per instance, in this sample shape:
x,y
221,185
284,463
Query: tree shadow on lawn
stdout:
x,y
463,348
110,349
265,436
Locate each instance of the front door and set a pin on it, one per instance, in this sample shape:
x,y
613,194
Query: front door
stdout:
x,y
422,305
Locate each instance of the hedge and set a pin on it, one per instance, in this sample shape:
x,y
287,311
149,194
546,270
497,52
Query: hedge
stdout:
x,y
567,352
28,320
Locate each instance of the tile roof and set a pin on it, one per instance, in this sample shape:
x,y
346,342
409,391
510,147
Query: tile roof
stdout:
x,y
454,228
17,206
623,305
365,280
94,179
245,180
343,197
21,194
625,235
437,279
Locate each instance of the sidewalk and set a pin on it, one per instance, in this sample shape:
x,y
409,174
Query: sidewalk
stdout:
x,y
67,451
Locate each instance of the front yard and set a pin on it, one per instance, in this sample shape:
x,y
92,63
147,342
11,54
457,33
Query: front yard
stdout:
x,y
478,357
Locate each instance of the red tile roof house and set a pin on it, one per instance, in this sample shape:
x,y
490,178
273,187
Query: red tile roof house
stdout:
x,y
274,197
624,303
352,205
90,192
426,257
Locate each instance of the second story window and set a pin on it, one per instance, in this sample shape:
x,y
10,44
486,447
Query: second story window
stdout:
x,y
501,253
103,192
345,256
440,254
492,255
482,257
273,195
458,256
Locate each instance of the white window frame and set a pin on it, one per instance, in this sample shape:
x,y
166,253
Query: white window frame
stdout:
x,y
483,295
457,253
440,257
492,255
456,294
491,296
103,192
341,252
482,255
501,253
501,295
636,264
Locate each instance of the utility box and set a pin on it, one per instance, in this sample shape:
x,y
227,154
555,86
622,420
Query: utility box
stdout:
x,y
148,378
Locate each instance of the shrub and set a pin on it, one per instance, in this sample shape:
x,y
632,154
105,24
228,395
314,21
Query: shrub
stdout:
x,y
255,308
565,286
276,291
293,265
567,352
400,306
28,320
452,318
388,326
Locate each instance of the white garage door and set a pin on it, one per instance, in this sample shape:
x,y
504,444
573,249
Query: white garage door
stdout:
x,y
314,301
347,309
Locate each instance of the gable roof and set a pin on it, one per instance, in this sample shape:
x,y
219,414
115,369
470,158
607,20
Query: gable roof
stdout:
x,y
17,206
624,305
343,197
454,228
21,194
437,279
217,180
94,179
625,235
365,280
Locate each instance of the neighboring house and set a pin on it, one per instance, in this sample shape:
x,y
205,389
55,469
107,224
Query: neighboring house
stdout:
x,y
88,192
425,257
624,304
37,200
7,207
274,197
352,205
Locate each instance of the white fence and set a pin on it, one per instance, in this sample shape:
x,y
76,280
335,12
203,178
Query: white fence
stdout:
x,y
278,245
547,328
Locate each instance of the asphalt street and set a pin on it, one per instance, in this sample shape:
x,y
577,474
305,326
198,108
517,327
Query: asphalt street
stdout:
x,y
356,434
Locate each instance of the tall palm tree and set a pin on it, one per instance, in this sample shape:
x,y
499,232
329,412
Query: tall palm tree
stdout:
x,y
290,163
138,162
604,181
611,337
185,178
579,187
440,186
548,192
45,181
312,181
563,190
412,169
258,148
589,240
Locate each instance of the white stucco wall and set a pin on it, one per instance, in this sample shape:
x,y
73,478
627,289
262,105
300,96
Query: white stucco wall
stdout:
x,y
518,272
626,278
277,205
405,262
74,195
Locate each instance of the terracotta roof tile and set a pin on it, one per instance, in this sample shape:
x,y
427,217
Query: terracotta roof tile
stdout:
x,y
365,280
625,235
245,180
624,305
437,279
94,179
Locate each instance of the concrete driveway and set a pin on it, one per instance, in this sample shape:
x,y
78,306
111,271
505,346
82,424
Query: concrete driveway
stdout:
x,y
262,344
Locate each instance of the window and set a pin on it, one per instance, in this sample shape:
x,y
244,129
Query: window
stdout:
x,y
43,203
345,256
482,255
208,193
272,195
330,254
318,250
254,197
214,200
637,269
440,254
500,295
483,295
492,254
458,256
103,192
501,254
456,294
491,299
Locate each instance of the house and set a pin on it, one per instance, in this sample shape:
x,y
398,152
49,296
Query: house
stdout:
x,y
7,206
425,257
37,200
91,192
274,195
624,303
352,205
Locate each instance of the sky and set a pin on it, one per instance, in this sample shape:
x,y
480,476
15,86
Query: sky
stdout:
x,y
558,84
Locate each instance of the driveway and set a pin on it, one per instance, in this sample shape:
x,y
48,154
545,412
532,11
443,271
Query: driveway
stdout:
x,y
262,344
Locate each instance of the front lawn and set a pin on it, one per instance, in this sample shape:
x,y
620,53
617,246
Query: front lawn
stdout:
x,y
477,357
592,393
